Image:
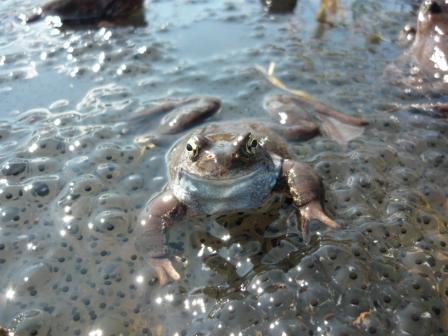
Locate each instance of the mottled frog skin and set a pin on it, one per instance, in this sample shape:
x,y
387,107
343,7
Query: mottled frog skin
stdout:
x,y
226,167
87,11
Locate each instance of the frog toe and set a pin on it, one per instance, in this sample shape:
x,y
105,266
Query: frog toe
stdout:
x,y
164,270
313,210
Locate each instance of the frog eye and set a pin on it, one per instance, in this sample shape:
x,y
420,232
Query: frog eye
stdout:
x,y
251,144
192,149
434,8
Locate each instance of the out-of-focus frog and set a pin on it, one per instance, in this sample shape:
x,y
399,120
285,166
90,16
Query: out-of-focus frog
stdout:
x,y
427,56
88,11
227,167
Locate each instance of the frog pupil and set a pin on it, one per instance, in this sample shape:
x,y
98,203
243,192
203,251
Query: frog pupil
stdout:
x,y
434,8
189,147
254,143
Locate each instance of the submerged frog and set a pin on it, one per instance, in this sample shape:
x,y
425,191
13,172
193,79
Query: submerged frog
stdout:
x,y
87,11
227,167
427,56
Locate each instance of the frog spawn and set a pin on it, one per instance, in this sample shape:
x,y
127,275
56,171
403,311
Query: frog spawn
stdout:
x,y
59,203
251,278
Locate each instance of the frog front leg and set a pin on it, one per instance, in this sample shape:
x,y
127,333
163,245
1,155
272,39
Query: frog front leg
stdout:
x,y
306,190
159,214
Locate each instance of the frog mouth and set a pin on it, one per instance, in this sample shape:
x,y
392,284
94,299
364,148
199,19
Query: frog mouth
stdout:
x,y
222,181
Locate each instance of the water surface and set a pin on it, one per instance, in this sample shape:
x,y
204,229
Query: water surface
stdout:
x,y
72,185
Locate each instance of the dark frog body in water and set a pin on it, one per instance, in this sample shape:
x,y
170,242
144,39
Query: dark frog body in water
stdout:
x,y
226,167
88,11
427,57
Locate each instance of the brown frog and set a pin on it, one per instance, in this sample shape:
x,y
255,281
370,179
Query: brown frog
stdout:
x,y
427,56
227,167
87,11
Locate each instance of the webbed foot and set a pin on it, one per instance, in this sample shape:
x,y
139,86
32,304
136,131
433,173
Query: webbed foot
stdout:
x,y
164,270
313,210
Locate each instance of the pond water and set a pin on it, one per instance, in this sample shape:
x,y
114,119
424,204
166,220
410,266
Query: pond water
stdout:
x,y
72,185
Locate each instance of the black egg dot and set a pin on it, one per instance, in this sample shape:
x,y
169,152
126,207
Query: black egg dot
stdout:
x,y
76,317
415,317
387,299
314,302
372,330
353,275
354,301
109,227
41,189
416,286
14,169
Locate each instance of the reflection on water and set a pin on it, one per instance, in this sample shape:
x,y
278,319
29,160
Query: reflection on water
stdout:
x,y
72,184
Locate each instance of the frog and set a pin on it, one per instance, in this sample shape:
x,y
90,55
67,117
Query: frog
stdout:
x,y
4,331
427,54
102,12
230,166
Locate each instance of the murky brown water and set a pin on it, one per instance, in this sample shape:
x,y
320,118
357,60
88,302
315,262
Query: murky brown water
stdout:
x,y
71,185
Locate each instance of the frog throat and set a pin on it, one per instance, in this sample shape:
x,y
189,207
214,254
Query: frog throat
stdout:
x,y
217,196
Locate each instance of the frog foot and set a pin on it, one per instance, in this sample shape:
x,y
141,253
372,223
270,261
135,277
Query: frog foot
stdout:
x,y
313,210
164,270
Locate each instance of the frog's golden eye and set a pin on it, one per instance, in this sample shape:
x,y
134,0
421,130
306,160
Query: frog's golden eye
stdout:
x,y
192,149
251,144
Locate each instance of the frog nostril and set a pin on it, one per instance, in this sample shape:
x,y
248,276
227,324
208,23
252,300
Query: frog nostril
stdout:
x,y
435,8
